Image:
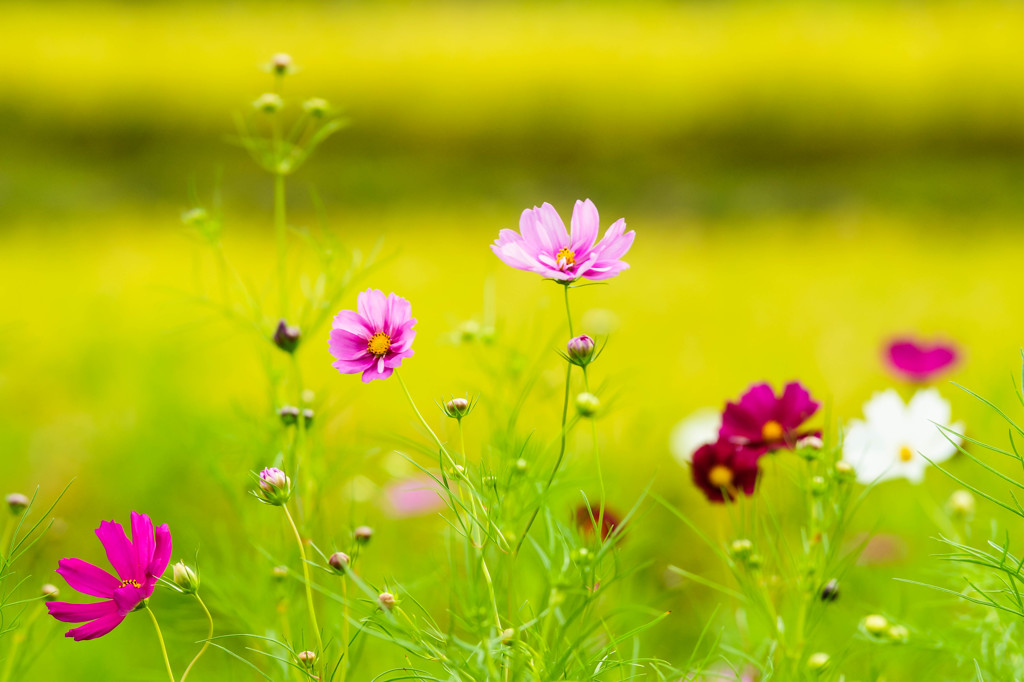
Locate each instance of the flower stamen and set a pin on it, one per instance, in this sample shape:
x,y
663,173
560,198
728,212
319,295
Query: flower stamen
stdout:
x,y
379,344
906,454
131,582
772,431
565,258
720,476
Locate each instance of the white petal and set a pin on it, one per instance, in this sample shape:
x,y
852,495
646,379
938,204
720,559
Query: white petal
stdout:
x,y
885,412
699,428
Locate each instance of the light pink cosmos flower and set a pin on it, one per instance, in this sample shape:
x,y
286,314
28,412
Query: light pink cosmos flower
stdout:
x,y
414,496
374,338
138,562
543,246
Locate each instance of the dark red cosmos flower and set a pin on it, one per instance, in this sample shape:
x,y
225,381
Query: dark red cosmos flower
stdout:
x,y
586,518
917,361
724,468
764,421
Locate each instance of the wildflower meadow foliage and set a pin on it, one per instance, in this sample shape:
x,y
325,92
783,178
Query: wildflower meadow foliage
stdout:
x,y
540,576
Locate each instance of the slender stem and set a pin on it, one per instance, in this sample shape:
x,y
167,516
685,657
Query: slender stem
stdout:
x,y
206,644
281,230
568,314
423,421
599,532
309,588
163,647
344,630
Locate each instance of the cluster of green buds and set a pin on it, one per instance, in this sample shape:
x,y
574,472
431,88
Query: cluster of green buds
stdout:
x,y
742,552
290,414
879,628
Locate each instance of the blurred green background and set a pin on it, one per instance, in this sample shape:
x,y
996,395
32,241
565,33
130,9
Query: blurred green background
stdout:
x,y
806,180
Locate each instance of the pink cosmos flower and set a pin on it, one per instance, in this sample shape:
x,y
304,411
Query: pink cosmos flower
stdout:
x,y
138,563
414,496
723,469
763,420
543,246
919,362
375,339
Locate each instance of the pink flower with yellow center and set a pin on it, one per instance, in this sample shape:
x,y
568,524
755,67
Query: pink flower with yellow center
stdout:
x,y
138,562
543,245
724,469
766,420
374,338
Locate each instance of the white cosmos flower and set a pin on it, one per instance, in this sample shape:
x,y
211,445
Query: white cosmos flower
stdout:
x,y
699,428
890,441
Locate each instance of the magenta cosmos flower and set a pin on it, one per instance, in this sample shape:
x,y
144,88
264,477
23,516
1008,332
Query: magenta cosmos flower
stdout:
x,y
919,362
724,469
764,420
543,246
374,338
139,562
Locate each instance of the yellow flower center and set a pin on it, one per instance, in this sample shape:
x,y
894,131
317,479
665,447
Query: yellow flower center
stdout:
x,y
127,583
906,454
565,258
772,430
379,344
720,476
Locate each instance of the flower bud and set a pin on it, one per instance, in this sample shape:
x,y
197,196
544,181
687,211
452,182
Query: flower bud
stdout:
x,y
306,658
898,634
268,103
581,556
49,592
386,600
185,578
522,466
279,573
830,592
339,561
845,471
876,625
587,404
307,417
741,549
195,217
289,415
275,486
508,636
961,505
286,337
818,486
811,442
362,534
316,107
17,503
281,63
818,662
580,350
457,408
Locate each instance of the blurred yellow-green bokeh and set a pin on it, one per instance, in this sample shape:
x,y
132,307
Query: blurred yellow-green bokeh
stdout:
x,y
807,180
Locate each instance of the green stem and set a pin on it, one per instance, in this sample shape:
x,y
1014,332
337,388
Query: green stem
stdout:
x,y
309,589
16,641
281,231
206,644
163,647
597,463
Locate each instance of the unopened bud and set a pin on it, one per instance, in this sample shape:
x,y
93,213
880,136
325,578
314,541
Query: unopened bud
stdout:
x,y
811,442
386,601
185,578
818,486
279,573
587,404
286,337
581,556
830,592
17,503
818,662
362,534
898,634
268,103
457,408
845,471
508,635
316,107
339,561
195,217
49,592
741,549
522,466
306,658
275,486
961,505
281,63
876,625
307,416
580,350
289,415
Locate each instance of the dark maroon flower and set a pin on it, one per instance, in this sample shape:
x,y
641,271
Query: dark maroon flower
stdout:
x,y
762,420
724,469
917,361
586,519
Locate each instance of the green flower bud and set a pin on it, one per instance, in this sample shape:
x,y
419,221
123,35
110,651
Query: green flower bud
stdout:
x,y
587,404
876,625
185,578
818,662
268,103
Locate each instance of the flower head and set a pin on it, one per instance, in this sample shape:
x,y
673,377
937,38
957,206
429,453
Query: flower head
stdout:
x,y
765,420
542,244
919,362
138,562
275,486
586,520
580,350
374,338
894,438
723,469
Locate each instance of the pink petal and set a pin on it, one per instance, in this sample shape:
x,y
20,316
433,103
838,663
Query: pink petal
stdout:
x,y
375,372
353,366
161,551
128,597
372,304
142,540
119,550
584,226
86,578
552,226
350,321
97,628
398,313
345,345
535,237
67,612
